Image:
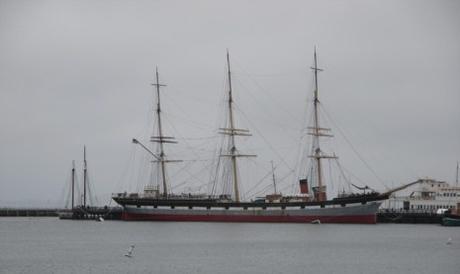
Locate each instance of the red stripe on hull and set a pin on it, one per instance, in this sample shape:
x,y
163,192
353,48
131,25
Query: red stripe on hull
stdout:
x,y
350,219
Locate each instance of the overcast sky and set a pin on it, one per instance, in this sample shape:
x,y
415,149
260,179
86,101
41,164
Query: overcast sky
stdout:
x,y
79,72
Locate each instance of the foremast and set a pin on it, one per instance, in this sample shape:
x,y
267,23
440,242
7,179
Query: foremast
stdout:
x,y
232,131
317,131
160,138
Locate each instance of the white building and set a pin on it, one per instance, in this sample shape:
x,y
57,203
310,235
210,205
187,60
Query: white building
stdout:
x,y
427,195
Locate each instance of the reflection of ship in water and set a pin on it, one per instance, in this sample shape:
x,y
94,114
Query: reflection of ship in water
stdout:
x,y
159,204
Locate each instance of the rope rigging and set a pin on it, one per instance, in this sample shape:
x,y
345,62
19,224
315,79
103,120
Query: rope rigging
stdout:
x,y
353,147
224,174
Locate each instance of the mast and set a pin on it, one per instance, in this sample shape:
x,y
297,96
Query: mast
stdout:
x,y
73,184
232,136
316,126
160,138
232,132
317,132
456,177
160,135
85,172
273,176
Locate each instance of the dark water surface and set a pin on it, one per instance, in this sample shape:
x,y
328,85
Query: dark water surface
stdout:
x,y
49,245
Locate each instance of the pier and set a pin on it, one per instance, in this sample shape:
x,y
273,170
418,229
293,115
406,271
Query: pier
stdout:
x,y
29,212
78,213
91,213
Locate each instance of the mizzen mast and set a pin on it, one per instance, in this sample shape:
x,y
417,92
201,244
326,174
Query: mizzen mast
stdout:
x,y
317,132
232,132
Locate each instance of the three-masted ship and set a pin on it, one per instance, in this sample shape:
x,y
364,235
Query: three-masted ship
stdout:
x,y
312,205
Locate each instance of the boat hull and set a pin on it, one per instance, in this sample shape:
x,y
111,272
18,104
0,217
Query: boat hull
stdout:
x,y
446,221
358,214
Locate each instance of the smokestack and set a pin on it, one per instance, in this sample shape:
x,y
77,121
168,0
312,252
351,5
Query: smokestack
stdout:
x,y
303,186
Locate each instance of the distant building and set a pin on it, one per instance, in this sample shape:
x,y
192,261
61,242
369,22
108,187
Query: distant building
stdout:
x,y
427,195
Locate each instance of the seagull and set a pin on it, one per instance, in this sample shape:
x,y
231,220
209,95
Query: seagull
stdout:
x,y
449,241
130,252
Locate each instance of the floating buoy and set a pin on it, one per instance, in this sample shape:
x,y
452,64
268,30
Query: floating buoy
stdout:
x,y
449,241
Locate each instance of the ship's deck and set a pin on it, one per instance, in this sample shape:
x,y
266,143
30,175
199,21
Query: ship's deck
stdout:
x,y
136,201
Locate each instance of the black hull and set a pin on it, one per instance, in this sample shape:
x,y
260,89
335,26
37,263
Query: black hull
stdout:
x,y
208,203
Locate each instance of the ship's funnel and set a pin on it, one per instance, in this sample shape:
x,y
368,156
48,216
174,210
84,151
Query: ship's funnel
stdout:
x,y
319,193
303,183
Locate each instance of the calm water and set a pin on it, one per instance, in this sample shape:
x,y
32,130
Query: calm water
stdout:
x,y
49,245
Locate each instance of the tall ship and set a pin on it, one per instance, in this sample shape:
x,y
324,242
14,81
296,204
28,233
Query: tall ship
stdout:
x,y
158,203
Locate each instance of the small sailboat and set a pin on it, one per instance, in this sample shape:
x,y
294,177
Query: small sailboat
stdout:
x,y
129,254
82,209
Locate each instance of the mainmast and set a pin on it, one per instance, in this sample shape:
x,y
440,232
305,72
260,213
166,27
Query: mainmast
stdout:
x,y
160,138
232,135
232,132
85,173
317,132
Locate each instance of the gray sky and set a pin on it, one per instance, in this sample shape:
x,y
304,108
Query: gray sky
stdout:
x,y
79,72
